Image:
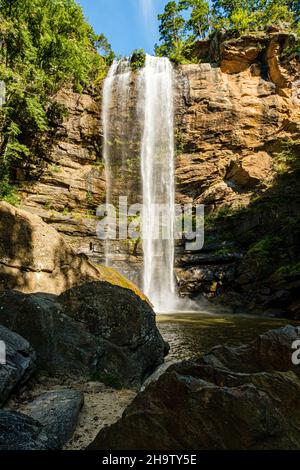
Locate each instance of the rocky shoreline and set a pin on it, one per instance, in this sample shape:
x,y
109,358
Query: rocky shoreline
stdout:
x,y
66,329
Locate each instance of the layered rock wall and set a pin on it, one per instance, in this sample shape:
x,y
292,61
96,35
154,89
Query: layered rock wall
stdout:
x,y
237,117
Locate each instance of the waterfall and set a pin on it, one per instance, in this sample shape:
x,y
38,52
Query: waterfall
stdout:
x,y
138,131
157,163
114,102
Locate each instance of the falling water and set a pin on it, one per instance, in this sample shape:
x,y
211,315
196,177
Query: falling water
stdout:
x,y
144,116
115,97
157,163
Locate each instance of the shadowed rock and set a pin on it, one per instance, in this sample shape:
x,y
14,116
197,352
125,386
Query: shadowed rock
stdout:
x,y
94,330
20,432
20,363
34,257
231,398
58,412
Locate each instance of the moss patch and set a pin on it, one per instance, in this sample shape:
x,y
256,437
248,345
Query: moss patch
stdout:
x,y
112,276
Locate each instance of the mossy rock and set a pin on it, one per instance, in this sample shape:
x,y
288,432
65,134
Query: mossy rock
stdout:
x,y
112,276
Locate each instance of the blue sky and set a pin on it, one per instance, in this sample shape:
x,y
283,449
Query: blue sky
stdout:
x,y
127,24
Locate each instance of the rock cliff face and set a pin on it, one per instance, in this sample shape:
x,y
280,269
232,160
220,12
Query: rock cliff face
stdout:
x,y
71,182
230,116
237,132
238,121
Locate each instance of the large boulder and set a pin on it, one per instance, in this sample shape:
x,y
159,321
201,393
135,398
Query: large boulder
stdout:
x,y
121,318
231,398
20,432
61,344
19,363
58,412
270,351
34,257
93,330
115,314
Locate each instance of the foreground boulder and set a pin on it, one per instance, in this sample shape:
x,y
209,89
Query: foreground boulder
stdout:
x,y
58,412
62,346
20,432
20,363
231,398
122,319
96,330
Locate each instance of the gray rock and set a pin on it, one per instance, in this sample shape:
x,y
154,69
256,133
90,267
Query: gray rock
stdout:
x,y
95,330
20,363
21,432
58,412
134,346
61,344
270,351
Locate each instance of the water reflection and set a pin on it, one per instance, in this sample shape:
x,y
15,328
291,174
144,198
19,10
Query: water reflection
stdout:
x,y
193,334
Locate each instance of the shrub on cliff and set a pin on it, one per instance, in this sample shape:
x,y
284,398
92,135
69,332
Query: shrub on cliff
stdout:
x,y
138,58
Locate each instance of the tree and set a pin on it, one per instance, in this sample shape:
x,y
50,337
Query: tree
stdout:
x,y
199,21
172,30
105,49
254,14
43,45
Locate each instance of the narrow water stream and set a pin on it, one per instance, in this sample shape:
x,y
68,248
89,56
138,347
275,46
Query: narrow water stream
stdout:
x,y
193,334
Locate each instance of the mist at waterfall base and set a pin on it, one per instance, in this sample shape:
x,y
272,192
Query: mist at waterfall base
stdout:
x,y
155,119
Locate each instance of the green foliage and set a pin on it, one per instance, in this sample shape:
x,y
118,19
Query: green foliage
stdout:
x,y
138,58
199,21
8,193
288,159
290,269
44,45
186,21
172,30
56,112
66,211
107,378
89,198
224,251
243,15
264,247
293,51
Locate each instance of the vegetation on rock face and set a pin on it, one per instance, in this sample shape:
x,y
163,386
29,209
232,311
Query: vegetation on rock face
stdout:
x,y
185,21
137,60
44,45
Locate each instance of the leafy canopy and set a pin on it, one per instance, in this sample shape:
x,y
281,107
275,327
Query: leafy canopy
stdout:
x,y
44,45
185,21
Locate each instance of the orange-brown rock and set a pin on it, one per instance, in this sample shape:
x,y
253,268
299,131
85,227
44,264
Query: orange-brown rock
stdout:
x,y
231,118
35,258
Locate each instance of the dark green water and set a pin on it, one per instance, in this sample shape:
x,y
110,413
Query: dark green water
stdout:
x,y
193,334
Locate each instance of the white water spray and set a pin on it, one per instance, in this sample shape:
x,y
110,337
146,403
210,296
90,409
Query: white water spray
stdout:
x,y
157,163
155,119
115,94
